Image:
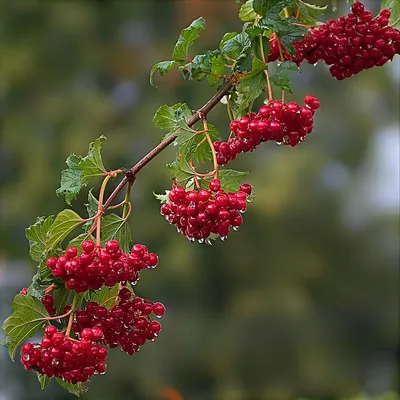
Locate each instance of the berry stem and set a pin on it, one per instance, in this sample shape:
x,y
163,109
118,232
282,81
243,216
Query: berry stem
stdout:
x,y
127,205
205,109
214,154
100,209
286,12
71,313
229,109
270,96
58,316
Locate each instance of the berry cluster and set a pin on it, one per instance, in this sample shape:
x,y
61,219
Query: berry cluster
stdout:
x,y
199,213
284,123
126,324
98,266
47,300
348,44
58,356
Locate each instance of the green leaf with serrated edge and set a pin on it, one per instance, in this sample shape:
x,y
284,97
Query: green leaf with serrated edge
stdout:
x,y
64,223
248,90
40,281
309,13
217,68
44,380
102,295
265,7
169,117
37,236
115,227
282,77
163,67
236,46
70,184
246,12
181,171
187,37
92,208
292,34
92,164
226,37
198,149
25,321
394,7
202,65
77,389
162,198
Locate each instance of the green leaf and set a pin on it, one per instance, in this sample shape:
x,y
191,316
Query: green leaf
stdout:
x,y
61,297
24,322
231,179
282,77
169,118
203,65
272,7
71,184
187,37
77,389
237,45
64,223
115,227
248,90
292,34
44,380
40,281
91,207
309,13
163,198
198,149
163,67
226,37
102,295
37,235
92,165
246,12
394,7
181,171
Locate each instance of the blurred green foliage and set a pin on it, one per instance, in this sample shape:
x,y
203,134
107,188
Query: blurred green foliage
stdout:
x,y
303,301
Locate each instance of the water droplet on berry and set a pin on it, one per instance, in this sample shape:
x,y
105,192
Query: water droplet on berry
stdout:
x,y
201,241
278,143
315,64
223,238
235,228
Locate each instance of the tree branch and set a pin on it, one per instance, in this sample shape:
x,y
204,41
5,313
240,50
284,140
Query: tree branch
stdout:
x,y
166,142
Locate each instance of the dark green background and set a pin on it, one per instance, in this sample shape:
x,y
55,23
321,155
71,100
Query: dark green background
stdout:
x,y
302,301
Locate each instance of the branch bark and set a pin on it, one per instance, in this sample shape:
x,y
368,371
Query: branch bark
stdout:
x,y
166,142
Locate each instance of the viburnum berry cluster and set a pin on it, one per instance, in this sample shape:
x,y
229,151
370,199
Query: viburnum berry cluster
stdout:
x,y
283,123
349,44
126,324
59,356
82,295
199,213
97,266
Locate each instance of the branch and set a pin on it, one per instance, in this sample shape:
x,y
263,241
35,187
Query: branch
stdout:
x,y
166,142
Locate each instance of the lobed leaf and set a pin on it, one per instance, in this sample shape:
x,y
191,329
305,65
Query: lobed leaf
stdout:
x,y
44,380
92,164
27,318
309,13
105,293
181,171
71,184
37,235
282,77
163,67
163,198
246,12
236,45
64,223
187,37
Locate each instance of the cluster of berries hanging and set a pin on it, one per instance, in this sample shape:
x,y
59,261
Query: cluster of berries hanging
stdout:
x,y
126,324
96,266
199,213
348,44
80,353
283,123
62,357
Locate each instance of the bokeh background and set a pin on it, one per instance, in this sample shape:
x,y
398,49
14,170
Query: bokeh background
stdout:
x,y
302,302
